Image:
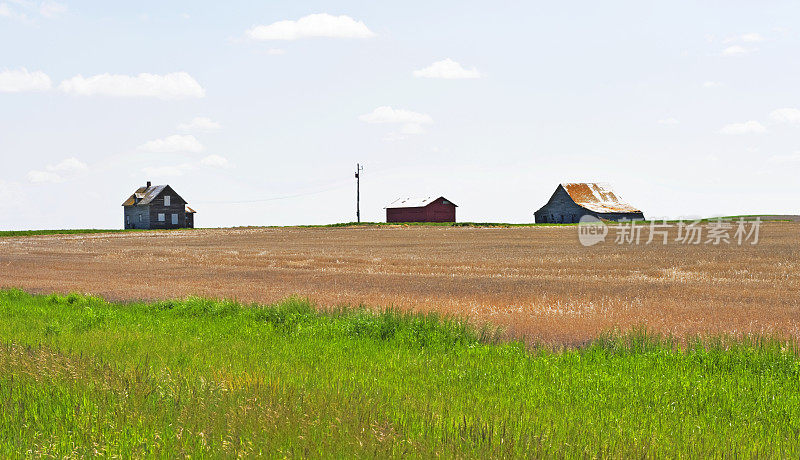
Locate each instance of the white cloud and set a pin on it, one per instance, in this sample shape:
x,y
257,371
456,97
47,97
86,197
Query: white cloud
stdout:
x,y
311,26
15,81
752,37
275,51
39,177
69,165
712,84
27,11
175,85
447,69
215,161
167,171
57,172
748,127
386,114
668,121
50,9
7,12
792,158
172,144
200,124
786,115
736,50
391,137
412,128
411,121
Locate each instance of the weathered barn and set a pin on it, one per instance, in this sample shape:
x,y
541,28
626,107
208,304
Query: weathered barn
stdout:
x,y
572,201
157,206
427,209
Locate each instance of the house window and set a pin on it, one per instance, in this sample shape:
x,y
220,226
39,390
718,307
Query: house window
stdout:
x,y
174,219
166,200
141,218
161,217
127,220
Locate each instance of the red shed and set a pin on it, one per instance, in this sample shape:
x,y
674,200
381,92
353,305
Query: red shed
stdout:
x,y
427,209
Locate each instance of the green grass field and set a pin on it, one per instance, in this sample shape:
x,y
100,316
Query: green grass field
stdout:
x,y
61,232
80,376
9,233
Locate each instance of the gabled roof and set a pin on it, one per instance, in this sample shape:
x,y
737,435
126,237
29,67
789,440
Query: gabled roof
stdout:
x,y
145,195
597,197
415,202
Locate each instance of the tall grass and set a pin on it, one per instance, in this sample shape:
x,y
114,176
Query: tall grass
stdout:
x,y
81,376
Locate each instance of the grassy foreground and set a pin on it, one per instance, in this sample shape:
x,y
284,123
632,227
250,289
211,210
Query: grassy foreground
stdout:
x,y
80,376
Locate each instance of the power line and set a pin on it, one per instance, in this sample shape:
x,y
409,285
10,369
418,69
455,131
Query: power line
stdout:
x,y
338,185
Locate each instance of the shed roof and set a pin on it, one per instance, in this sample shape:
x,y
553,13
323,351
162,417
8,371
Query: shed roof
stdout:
x,y
597,197
415,202
144,194
190,210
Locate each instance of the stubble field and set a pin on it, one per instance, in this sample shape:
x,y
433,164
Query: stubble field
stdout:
x,y
537,283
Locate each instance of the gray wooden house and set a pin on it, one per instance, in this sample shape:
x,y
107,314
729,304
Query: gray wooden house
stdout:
x,y
571,201
157,206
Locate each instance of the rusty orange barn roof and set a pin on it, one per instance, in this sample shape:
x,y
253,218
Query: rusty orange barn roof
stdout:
x,y
597,197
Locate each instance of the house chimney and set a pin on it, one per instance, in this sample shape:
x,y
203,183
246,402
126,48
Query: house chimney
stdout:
x,y
148,184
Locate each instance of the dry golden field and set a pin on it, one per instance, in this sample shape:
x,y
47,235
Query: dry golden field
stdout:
x,y
535,282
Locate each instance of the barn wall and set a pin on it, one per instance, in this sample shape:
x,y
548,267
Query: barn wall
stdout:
x,y
617,216
405,215
439,212
434,212
177,206
561,209
134,212
189,220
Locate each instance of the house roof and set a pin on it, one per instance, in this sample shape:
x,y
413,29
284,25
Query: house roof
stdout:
x,y
415,202
190,210
597,197
144,194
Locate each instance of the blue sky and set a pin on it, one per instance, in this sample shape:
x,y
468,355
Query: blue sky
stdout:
x,y
686,108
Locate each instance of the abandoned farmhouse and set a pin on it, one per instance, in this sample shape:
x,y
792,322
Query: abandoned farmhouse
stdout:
x,y
571,201
157,206
427,209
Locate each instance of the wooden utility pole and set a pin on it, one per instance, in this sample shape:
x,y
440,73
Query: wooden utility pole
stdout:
x,y
359,168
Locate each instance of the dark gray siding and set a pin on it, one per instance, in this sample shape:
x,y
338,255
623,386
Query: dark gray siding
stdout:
x,y
137,216
617,216
560,209
176,206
